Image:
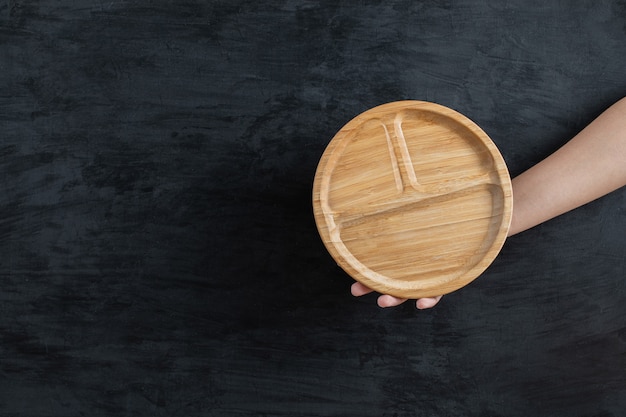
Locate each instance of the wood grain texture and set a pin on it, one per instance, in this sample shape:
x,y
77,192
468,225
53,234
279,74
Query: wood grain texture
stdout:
x,y
412,199
158,250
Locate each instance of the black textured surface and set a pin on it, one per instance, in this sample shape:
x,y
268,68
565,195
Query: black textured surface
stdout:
x,y
158,254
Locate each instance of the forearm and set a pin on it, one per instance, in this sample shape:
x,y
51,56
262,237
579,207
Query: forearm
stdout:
x,y
589,166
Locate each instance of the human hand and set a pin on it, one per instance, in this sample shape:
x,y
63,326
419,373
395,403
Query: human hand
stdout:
x,y
587,167
385,300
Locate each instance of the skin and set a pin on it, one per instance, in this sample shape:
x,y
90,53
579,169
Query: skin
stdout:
x,y
589,166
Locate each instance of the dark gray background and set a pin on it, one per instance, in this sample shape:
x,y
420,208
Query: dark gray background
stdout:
x,y
158,254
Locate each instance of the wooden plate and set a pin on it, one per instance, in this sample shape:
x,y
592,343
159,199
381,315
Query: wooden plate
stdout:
x,y
412,199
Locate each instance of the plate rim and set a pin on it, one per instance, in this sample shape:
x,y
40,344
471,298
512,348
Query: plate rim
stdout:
x,y
416,290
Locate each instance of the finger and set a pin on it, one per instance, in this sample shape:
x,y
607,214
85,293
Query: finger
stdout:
x,y
424,303
390,301
359,289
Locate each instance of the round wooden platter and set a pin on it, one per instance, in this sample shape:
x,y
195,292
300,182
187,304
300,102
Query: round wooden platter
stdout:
x,y
412,199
